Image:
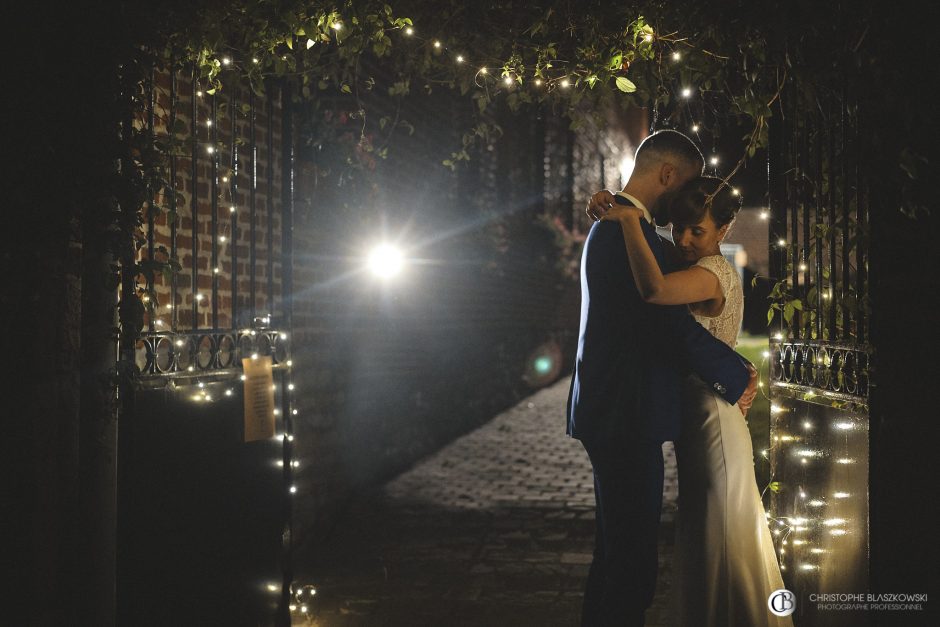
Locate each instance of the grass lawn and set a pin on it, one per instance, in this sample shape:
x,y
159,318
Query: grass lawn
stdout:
x,y
758,418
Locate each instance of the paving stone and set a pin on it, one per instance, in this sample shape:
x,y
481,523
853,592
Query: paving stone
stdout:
x,y
495,529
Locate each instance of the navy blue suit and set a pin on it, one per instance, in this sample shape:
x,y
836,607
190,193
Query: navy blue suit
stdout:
x,y
623,404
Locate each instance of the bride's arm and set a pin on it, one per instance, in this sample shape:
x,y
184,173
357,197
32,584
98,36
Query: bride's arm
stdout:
x,y
676,288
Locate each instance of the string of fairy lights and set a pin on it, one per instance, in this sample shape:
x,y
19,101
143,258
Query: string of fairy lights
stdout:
x,y
205,384
808,529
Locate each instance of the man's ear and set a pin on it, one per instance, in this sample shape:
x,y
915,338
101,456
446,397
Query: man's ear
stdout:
x,y
667,174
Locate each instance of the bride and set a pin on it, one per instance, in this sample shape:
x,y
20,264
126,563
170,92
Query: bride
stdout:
x,y
726,566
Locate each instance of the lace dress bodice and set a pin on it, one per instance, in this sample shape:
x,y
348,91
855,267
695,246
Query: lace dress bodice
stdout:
x,y
727,323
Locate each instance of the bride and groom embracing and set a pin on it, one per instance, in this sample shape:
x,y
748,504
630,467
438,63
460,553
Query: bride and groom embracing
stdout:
x,y
655,363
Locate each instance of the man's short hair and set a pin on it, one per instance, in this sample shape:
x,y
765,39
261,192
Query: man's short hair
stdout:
x,y
668,145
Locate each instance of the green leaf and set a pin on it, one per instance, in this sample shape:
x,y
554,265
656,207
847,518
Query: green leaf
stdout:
x,y
625,85
774,486
345,89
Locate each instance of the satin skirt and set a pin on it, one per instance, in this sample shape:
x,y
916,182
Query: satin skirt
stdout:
x,y
726,563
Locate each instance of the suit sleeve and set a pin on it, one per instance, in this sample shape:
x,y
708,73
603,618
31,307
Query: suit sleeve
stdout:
x,y
711,359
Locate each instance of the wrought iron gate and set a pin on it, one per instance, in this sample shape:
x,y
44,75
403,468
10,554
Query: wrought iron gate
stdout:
x,y
203,515
819,345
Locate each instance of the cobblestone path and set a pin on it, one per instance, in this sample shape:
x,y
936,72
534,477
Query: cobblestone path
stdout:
x,y
494,530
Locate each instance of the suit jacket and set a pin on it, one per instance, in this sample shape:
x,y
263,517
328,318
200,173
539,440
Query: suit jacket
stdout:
x,y
632,354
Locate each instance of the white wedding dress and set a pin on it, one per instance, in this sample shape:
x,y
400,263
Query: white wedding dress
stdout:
x,y
726,564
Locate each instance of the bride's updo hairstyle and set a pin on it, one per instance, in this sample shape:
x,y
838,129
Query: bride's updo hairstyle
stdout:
x,y
688,204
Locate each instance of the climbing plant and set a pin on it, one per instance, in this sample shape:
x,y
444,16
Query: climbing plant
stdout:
x,y
703,69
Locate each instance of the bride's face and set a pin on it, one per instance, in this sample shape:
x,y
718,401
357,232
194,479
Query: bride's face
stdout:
x,y
695,241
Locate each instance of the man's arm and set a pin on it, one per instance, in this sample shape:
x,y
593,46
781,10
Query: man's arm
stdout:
x,y
712,360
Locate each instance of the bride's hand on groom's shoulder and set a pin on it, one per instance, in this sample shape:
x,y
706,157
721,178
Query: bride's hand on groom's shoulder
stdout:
x,y
599,204
620,213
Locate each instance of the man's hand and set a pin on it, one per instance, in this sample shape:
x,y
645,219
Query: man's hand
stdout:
x,y
750,393
599,204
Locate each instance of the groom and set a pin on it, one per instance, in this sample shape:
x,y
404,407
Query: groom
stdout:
x,y
624,397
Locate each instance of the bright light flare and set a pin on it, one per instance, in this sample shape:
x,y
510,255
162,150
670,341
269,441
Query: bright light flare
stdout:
x,y
385,261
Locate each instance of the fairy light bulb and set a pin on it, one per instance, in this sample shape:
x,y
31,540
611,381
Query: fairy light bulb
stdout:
x,y
713,160
695,128
676,56
459,58
409,31
437,45
565,82
686,92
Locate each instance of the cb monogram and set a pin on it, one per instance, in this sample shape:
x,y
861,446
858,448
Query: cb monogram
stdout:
x,y
781,602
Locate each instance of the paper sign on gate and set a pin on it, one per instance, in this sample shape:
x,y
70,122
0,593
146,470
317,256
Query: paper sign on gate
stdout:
x,y
259,398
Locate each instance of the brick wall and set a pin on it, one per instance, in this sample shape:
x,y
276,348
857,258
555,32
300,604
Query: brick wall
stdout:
x,y
238,178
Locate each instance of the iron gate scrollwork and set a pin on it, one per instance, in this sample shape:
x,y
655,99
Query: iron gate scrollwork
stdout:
x,y
193,496
819,354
